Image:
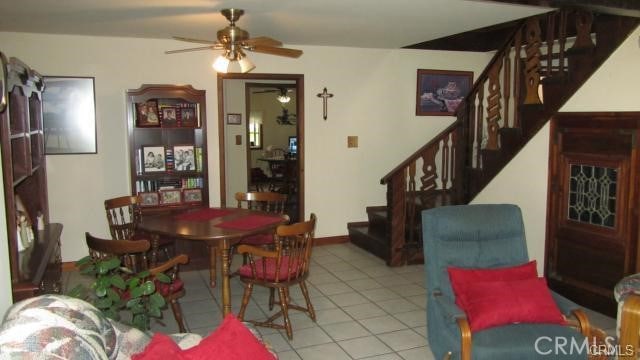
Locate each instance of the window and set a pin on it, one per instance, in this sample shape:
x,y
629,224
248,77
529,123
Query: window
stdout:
x,y
255,130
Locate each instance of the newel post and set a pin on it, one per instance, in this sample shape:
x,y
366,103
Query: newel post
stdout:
x,y
396,216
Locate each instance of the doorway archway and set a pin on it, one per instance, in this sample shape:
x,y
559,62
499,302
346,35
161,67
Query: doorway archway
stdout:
x,y
237,157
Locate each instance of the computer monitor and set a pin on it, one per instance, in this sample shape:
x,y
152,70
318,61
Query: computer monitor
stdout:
x,y
293,145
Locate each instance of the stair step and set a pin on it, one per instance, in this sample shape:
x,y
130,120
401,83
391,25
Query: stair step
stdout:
x,y
361,236
377,216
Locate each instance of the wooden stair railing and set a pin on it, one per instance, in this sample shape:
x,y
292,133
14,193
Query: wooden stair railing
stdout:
x,y
543,63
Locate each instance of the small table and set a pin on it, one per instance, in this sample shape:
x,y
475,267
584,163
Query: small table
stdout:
x,y
211,225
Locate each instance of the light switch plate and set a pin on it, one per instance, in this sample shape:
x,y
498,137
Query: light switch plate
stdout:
x,y
238,139
352,141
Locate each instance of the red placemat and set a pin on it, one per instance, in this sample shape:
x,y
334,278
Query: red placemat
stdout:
x,y
203,215
249,222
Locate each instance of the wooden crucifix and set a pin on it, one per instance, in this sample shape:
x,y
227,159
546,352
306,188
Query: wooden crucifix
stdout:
x,y
324,95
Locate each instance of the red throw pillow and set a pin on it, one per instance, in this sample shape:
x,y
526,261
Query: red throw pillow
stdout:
x,y
160,347
231,340
461,277
495,303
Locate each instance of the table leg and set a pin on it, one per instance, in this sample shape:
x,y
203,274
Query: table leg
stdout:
x,y
226,284
213,257
155,245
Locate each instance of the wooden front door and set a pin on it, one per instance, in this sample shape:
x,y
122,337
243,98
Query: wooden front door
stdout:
x,y
592,218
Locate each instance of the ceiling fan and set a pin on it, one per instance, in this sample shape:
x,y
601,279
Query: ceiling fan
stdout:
x,y
286,118
234,41
282,97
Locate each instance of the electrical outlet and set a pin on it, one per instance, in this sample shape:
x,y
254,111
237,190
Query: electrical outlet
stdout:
x,y
352,141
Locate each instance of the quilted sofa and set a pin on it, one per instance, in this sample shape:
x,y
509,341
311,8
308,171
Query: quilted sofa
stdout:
x,y
61,327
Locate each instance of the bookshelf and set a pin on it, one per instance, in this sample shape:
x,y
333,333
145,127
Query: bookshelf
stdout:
x,y
34,243
168,147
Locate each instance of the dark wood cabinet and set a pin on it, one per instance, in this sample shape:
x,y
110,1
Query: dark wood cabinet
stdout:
x,y
592,219
34,243
168,147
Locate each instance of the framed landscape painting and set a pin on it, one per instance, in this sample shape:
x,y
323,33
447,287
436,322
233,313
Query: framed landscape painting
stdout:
x,y
439,92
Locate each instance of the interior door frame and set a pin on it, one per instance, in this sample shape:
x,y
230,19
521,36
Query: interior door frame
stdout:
x,y
299,83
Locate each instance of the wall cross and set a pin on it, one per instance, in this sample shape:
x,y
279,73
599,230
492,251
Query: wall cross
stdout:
x,y
325,96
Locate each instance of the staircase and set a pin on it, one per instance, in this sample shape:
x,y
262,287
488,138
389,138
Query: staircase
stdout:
x,y
543,63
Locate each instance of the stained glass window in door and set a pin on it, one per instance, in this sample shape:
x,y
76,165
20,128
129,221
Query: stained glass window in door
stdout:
x,y
592,195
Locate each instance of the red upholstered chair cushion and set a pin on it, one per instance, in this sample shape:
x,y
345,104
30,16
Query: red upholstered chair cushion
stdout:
x,y
495,303
258,239
245,270
231,340
461,277
167,289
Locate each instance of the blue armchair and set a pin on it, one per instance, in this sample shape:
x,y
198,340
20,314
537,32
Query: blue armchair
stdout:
x,y
485,236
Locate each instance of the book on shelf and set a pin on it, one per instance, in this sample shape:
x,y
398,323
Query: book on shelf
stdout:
x,y
198,155
169,159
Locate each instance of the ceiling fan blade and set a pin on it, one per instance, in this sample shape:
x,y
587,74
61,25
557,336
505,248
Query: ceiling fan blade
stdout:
x,y
265,91
294,53
210,47
198,41
263,41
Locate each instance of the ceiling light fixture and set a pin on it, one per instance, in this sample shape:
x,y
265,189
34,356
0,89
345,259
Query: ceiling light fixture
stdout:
x,y
224,61
283,98
221,64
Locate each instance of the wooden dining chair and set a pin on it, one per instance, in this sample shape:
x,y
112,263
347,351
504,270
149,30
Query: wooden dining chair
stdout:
x,y
123,216
279,269
270,202
260,201
133,256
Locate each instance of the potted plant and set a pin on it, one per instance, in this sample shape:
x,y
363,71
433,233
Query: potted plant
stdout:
x,y
117,288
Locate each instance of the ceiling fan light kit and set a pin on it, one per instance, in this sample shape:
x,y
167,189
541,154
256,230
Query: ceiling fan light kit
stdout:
x,y
234,41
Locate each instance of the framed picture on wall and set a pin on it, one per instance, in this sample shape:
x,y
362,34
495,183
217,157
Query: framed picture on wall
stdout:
x,y
69,115
439,92
234,119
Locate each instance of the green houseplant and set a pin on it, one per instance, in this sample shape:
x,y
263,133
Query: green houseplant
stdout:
x,y
117,288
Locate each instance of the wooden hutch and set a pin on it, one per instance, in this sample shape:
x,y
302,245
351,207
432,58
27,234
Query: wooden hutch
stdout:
x,y
34,243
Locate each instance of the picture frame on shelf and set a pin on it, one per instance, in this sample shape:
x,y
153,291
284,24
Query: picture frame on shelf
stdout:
x,y
153,159
170,197
169,116
234,119
69,115
439,92
184,158
188,117
147,114
149,199
192,195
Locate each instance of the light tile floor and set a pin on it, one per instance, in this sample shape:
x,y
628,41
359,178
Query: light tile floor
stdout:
x,y
364,309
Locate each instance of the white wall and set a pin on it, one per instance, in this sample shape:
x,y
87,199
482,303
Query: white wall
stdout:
x,y
524,181
374,99
6,299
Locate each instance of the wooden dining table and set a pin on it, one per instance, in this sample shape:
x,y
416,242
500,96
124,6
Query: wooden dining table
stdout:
x,y
218,228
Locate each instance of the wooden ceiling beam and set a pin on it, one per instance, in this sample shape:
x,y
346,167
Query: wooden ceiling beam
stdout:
x,y
615,7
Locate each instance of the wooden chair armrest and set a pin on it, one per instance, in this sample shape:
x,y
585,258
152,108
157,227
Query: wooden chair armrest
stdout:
x,y
629,327
465,338
583,322
257,251
170,264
